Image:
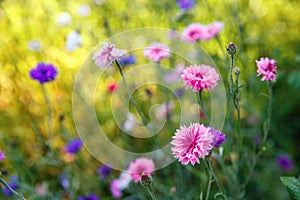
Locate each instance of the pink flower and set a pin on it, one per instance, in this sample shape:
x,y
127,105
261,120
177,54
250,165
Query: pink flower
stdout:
x,y
196,31
191,143
115,189
112,87
267,68
107,55
140,166
200,77
157,51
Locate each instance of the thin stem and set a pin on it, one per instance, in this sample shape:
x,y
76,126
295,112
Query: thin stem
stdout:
x,y
151,192
12,190
202,104
230,74
210,181
50,115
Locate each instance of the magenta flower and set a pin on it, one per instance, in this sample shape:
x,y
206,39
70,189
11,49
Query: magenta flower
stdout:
x,y
115,189
157,51
107,55
267,68
140,166
200,32
191,143
2,155
200,77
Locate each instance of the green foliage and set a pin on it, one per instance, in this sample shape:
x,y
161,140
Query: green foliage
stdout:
x,y
292,185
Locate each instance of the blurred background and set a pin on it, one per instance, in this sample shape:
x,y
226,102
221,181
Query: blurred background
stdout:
x,y
65,32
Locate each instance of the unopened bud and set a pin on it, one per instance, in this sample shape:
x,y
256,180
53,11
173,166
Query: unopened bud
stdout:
x,y
231,49
237,71
146,180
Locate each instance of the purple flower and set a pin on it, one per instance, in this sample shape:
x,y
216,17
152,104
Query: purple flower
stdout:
x,y
2,155
219,137
185,4
284,162
91,196
73,146
115,189
104,171
64,181
13,184
127,60
43,72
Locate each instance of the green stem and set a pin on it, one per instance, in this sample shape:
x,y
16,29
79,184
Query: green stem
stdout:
x,y
202,104
210,181
50,115
151,192
12,190
230,74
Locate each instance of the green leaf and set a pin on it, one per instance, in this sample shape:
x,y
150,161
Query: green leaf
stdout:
x,y
292,185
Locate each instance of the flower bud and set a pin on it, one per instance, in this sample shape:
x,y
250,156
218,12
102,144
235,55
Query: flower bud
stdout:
x,y
146,180
237,71
231,49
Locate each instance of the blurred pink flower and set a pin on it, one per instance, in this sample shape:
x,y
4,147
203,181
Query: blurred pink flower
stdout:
x,y
2,155
112,87
196,31
191,143
174,76
141,166
107,55
267,68
115,189
157,51
200,77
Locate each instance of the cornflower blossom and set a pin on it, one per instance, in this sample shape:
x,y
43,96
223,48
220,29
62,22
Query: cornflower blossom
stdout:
x,y
115,189
13,184
2,155
200,77
127,60
104,171
200,32
73,146
157,51
91,196
43,73
196,141
107,54
140,166
185,4
284,162
267,68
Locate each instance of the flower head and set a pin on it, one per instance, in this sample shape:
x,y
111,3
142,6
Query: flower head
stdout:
x,y
115,189
219,137
185,4
192,142
2,155
73,146
200,32
43,72
231,48
91,196
63,19
112,87
73,41
267,68
200,77
104,171
284,162
13,184
140,166
127,60
107,55
64,181
157,51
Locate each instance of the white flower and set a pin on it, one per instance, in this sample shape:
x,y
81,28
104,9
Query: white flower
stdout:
x,y
73,41
84,10
63,19
34,45
130,122
124,180
107,55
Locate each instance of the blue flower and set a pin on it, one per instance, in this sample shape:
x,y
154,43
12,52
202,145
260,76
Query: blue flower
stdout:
x,y
284,162
73,146
64,181
13,184
43,73
185,4
127,60
91,196
104,171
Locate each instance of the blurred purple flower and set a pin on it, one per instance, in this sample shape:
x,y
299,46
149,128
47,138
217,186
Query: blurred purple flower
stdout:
x,y
219,137
284,162
13,184
73,146
2,155
64,181
91,196
185,4
257,139
179,92
127,60
104,171
43,72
